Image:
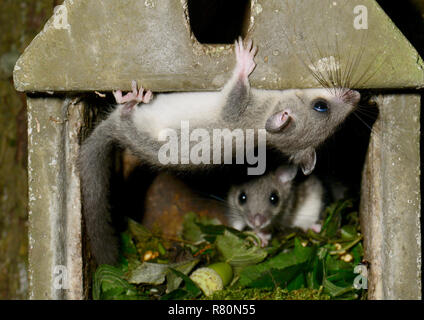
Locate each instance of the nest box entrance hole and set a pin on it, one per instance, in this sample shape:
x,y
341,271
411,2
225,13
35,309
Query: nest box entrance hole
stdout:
x,y
218,21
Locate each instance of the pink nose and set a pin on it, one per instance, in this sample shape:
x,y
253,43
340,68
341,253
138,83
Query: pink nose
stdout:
x,y
351,96
257,220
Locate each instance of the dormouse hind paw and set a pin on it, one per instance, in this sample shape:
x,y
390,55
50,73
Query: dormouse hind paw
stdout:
x,y
244,57
265,238
135,95
316,227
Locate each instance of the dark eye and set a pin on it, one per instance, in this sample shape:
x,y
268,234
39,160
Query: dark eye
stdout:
x,y
273,198
242,198
321,106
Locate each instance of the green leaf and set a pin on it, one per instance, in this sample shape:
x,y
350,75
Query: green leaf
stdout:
x,y
139,232
190,290
338,278
191,287
238,252
148,273
334,290
348,232
276,277
316,272
178,294
333,218
119,294
161,249
173,281
298,282
156,273
211,232
333,263
278,270
195,228
127,245
191,231
285,265
109,281
358,253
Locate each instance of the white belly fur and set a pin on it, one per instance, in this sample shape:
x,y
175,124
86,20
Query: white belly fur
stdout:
x,y
168,110
308,212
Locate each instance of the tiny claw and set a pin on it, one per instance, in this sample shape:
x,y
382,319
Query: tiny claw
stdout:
x,y
148,96
139,95
264,237
237,49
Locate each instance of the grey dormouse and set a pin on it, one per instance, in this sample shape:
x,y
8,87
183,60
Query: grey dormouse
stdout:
x,y
273,201
296,122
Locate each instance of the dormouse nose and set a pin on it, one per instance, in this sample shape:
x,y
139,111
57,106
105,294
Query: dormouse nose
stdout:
x,y
258,220
351,96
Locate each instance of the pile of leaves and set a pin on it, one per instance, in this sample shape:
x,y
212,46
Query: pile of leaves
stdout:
x,y
296,265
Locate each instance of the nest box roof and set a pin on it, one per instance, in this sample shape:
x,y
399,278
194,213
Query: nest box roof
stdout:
x,y
103,45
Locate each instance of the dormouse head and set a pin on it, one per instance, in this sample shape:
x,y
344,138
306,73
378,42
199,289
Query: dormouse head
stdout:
x,y
303,119
259,201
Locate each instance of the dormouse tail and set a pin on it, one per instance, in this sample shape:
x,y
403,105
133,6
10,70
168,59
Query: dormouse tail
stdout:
x,y
95,165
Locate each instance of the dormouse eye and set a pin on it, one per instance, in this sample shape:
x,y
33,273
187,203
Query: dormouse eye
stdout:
x,y
242,198
320,106
274,198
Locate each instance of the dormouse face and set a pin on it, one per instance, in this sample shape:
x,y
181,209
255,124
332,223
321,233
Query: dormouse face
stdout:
x,y
329,107
307,119
259,201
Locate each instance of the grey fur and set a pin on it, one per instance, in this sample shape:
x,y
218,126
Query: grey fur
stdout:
x,y
237,106
94,164
286,213
258,191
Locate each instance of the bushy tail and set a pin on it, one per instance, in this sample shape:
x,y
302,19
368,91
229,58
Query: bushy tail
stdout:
x,y
95,164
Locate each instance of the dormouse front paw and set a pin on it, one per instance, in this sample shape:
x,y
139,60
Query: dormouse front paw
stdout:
x,y
135,95
244,57
316,228
265,238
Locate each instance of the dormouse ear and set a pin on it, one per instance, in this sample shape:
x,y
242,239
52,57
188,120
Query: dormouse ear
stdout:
x,y
286,173
278,121
308,162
